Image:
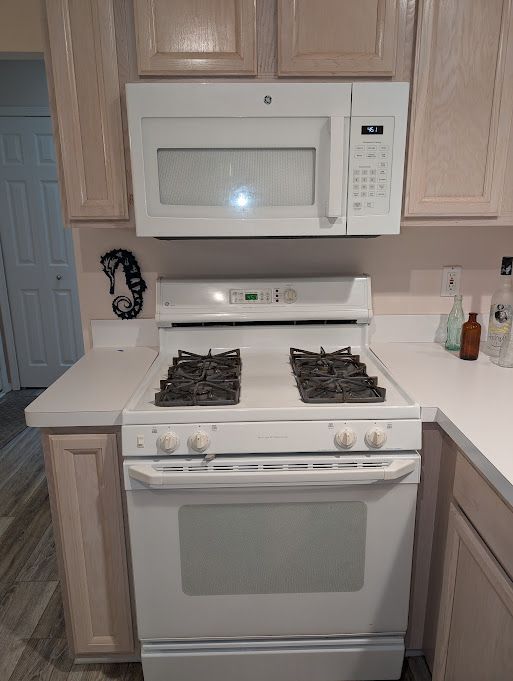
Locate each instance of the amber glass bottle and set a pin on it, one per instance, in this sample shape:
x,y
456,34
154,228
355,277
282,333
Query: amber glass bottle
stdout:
x,y
470,337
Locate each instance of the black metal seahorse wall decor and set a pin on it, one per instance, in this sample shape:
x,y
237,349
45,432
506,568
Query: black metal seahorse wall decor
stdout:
x,y
122,305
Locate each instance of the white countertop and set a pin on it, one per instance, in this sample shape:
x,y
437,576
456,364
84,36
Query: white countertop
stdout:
x,y
472,402
94,391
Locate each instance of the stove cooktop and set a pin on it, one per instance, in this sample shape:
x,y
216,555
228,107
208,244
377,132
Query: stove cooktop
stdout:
x,y
338,376
215,378
268,390
202,380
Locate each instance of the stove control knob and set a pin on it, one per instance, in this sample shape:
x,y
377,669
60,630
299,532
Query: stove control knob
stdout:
x,y
345,438
199,441
376,438
168,442
290,295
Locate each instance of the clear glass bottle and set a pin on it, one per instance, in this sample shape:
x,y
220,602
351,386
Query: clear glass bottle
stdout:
x,y
470,338
454,324
501,310
506,352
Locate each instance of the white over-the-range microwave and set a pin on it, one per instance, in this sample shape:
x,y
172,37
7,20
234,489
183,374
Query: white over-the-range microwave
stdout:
x,y
213,160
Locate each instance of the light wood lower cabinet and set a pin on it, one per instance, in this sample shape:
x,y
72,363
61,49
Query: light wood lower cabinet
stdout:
x,y
461,609
87,511
475,632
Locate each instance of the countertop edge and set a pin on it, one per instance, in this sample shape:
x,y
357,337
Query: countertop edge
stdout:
x,y
70,419
479,460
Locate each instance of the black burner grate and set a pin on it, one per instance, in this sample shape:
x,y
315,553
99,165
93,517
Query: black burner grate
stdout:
x,y
325,377
202,380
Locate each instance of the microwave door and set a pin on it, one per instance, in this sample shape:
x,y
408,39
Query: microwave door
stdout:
x,y
237,177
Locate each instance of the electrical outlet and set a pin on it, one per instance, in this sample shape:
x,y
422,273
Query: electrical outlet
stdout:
x,y
451,278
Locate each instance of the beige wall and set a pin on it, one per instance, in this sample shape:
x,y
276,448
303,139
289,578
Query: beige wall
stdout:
x,y
405,269
21,25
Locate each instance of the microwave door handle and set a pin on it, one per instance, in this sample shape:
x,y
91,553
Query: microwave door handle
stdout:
x,y
160,479
339,150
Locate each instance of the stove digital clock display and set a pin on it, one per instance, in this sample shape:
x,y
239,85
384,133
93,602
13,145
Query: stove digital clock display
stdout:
x,y
250,297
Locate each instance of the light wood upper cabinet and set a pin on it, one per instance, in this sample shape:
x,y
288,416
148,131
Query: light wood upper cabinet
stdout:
x,y
84,83
87,512
475,632
462,108
337,37
196,37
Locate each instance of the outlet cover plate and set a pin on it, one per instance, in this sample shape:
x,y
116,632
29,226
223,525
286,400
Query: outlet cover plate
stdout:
x,y
451,280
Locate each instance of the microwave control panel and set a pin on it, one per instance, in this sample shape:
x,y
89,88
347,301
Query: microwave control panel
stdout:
x,y
370,165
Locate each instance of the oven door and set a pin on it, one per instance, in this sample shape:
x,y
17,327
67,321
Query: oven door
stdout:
x,y
256,547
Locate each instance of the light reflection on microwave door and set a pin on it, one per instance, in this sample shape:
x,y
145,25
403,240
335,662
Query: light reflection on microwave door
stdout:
x,y
241,198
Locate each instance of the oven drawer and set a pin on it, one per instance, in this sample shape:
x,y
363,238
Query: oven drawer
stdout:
x,y
310,660
276,558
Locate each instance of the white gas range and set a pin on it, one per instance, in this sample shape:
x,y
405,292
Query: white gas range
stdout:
x,y
271,477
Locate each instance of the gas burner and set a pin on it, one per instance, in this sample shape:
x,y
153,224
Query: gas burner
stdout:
x,y
338,376
201,380
340,363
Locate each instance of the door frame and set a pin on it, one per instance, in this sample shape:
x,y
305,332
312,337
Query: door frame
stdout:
x,y
11,361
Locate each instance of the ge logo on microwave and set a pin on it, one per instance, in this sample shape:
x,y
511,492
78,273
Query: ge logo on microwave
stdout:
x,y
268,99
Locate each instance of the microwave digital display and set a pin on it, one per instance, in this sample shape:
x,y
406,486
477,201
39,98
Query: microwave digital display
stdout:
x,y
372,129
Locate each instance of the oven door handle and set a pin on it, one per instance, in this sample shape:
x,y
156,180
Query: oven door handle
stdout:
x,y
158,478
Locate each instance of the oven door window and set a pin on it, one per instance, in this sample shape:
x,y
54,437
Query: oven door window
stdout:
x,y
272,548
238,178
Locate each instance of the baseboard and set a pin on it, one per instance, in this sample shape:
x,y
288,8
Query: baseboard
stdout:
x,y
106,659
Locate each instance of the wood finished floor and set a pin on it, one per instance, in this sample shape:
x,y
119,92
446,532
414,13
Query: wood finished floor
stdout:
x,y
32,637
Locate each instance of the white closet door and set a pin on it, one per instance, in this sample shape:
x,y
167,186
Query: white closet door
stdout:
x,y
37,253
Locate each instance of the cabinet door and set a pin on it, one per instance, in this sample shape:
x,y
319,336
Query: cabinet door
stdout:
x,y
196,37
461,108
506,210
85,493
337,37
475,627
84,80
